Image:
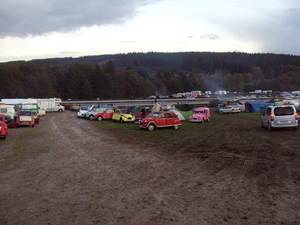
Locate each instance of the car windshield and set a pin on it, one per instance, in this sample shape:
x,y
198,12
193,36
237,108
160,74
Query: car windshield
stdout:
x,y
198,111
25,113
283,111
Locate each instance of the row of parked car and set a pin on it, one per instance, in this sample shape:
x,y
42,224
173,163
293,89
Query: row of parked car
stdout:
x,y
146,119
274,116
24,118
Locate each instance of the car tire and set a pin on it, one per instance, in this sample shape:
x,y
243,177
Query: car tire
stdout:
x,y
262,123
295,128
207,120
100,118
151,127
176,127
91,117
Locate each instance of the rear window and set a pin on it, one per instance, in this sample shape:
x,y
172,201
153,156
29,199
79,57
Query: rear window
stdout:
x,y
3,110
283,111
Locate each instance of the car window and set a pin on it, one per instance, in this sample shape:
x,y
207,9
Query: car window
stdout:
x,y
155,115
162,116
168,115
268,111
3,110
283,111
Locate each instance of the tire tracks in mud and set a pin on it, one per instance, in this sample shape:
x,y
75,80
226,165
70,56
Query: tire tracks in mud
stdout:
x,y
72,172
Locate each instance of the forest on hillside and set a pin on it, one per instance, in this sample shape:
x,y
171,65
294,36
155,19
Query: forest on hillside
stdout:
x,y
122,76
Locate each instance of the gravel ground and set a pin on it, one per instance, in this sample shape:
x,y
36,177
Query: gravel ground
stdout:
x,y
66,170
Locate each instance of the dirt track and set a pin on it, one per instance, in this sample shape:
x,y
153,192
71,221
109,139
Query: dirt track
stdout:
x,y
66,170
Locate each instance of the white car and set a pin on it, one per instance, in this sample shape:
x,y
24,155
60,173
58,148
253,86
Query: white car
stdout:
x,y
230,109
278,116
83,110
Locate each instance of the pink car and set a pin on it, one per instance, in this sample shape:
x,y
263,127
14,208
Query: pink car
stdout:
x,y
200,115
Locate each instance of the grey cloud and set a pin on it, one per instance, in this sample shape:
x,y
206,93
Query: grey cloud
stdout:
x,y
286,33
21,18
210,36
280,33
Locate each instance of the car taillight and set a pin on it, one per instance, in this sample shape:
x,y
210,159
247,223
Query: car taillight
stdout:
x,y
272,116
296,115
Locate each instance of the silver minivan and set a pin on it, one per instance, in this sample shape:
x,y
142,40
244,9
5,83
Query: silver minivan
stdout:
x,y
280,116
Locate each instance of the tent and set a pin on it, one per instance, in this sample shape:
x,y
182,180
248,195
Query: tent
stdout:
x,y
257,106
180,116
165,105
156,107
184,107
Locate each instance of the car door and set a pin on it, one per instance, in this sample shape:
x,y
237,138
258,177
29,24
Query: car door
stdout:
x,y
161,121
169,119
265,116
117,115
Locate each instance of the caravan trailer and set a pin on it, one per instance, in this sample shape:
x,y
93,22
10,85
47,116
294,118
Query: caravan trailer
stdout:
x,y
51,104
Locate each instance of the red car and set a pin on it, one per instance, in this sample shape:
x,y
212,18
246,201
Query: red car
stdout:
x,y
3,126
25,118
160,119
105,115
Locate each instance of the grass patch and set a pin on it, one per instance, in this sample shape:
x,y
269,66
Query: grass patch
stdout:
x,y
19,144
238,132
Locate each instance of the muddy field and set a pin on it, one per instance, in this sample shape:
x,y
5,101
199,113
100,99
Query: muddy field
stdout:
x,y
67,170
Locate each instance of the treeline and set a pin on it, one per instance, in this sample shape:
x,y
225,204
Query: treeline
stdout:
x,y
136,75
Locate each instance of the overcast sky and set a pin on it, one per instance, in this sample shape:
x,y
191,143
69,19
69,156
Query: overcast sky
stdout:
x,y
37,29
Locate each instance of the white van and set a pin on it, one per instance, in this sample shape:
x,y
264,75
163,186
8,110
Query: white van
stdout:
x,y
9,111
280,116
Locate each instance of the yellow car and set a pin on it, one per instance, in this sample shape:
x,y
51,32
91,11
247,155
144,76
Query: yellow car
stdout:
x,y
122,116
36,117
42,112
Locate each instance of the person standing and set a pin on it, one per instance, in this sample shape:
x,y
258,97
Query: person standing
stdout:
x,y
143,111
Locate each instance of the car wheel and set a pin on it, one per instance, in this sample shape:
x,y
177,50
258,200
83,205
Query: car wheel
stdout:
x,y
295,128
207,119
176,127
60,110
151,127
262,123
100,118
32,125
270,127
121,120
91,117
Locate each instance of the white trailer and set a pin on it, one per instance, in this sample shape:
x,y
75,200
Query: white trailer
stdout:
x,y
51,104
